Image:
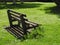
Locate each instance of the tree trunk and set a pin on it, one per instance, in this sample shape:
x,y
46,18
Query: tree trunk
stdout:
x,y
14,1
57,2
5,2
21,1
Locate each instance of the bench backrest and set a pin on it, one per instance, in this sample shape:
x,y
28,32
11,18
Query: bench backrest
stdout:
x,y
15,16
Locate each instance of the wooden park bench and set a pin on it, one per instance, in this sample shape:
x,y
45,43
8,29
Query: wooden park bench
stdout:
x,y
19,25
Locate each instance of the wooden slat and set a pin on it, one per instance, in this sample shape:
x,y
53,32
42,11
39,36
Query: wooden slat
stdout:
x,y
11,30
15,31
29,22
17,13
15,17
17,34
19,31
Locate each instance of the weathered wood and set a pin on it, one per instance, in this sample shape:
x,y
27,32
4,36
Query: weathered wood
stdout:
x,y
21,28
16,31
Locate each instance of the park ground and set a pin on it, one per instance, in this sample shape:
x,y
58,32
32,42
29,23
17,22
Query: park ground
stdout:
x,y
45,13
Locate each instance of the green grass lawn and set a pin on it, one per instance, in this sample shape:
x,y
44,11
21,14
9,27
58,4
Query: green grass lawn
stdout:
x,y
46,14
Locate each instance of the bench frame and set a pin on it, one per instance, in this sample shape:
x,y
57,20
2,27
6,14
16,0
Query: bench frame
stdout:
x,y
21,19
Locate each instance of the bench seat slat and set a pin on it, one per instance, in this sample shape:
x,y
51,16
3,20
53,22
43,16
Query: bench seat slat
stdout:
x,y
15,31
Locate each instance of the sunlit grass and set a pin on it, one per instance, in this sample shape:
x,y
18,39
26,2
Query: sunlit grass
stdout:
x,y
36,12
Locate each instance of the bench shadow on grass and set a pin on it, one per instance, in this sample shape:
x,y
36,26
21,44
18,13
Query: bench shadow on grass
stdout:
x,y
53,10
18,6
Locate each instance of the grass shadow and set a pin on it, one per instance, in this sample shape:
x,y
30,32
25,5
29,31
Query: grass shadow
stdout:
x,y
53,10
18,6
